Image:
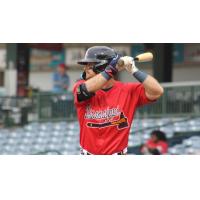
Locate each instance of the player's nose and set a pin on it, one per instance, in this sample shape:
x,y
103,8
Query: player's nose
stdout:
x,y
88,67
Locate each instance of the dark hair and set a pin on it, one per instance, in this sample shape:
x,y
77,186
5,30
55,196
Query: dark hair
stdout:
x,y
160,135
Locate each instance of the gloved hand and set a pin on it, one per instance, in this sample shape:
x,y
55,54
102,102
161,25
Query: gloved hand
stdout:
x,y
111,69
114,61
129,64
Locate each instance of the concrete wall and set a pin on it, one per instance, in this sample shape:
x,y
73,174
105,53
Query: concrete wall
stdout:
x,y
186,73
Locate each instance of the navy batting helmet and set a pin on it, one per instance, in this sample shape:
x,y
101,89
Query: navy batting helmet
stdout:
x,y
101,56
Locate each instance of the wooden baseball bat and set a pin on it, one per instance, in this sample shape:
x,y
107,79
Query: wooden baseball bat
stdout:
x,y
144,57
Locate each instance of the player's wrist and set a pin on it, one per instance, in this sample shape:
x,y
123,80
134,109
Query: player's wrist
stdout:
x,y
140,75
109,72
106,75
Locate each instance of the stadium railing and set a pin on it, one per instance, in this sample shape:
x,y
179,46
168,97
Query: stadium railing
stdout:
x,y
178,100
54,107
15,110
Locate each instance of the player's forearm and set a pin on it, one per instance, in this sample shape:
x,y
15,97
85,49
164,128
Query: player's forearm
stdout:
x,y
96,83
153,89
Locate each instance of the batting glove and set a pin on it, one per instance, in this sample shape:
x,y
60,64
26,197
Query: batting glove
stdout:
x,y
131,68
129,64
114,61
111,69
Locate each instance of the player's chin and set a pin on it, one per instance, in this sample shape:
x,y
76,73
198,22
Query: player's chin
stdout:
x,y
89,76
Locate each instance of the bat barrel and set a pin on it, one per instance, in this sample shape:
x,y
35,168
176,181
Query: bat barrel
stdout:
x,y
144,57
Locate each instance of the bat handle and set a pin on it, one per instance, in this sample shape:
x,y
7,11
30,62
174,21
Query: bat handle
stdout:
x,y
120,62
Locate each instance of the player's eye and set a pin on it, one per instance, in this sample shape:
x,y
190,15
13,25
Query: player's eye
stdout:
x,y
89,67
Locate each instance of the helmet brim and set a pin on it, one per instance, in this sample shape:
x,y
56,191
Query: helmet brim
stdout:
x,y
86,61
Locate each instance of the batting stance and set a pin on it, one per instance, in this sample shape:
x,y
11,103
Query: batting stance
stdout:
x,y
106,107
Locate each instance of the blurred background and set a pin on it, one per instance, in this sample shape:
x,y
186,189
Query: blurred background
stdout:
x,y
37,115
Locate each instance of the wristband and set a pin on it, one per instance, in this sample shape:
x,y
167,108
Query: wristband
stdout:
x,y
109,72
140,76
106,76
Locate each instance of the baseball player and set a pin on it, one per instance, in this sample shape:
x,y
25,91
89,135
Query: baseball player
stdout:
x,y
106,107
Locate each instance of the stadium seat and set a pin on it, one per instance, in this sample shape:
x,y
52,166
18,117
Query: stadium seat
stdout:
x,y
63,136
178,149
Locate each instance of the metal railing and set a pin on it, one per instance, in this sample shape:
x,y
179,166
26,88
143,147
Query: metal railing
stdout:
x,y
179,100
15,110
54,107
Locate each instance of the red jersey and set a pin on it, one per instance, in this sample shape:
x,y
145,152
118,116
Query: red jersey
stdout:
x,y
105,119
161,146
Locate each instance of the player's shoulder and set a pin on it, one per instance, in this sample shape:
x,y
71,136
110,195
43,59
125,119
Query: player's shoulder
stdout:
x,y
79,81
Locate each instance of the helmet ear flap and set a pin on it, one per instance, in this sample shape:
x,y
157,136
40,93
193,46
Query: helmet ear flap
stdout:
x,y
100,67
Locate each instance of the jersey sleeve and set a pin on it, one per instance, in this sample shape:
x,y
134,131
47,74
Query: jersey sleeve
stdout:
x,y
138,92
75,89
162,147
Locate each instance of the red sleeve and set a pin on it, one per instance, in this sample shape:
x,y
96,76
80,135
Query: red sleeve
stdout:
x,y
138,92
162,147
75,88
150,144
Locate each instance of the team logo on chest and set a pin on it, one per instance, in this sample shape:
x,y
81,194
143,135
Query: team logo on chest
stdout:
x,y
106,118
